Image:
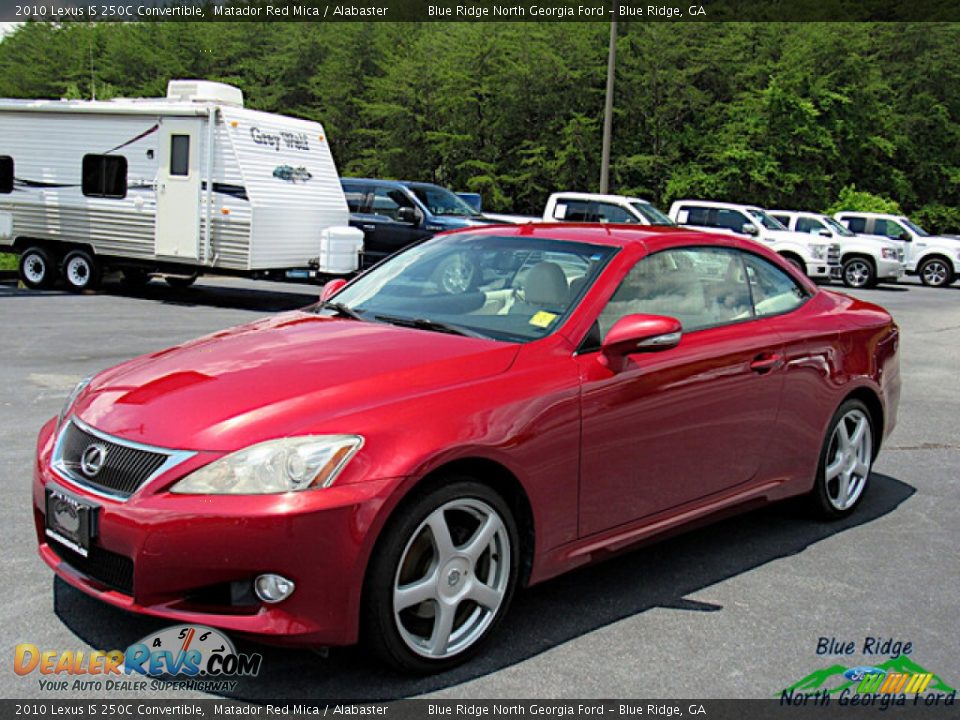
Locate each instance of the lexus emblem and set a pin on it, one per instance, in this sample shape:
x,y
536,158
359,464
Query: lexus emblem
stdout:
x,y
92,459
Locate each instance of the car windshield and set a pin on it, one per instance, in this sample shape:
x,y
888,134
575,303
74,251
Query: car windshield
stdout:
x,y
514,289
838,228
651,213
919,231
768,222
440,201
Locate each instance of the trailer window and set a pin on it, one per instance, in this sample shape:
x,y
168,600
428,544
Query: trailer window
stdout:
x,y
105,176
6,174
180,155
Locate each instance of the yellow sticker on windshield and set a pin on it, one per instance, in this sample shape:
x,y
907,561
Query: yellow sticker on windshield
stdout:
x,y
543,319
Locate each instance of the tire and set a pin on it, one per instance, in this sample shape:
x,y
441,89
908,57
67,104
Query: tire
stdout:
x,y
38,269
801,268
859,272
135,278
80,271
419,611
457,274
844,472
181,281
936,272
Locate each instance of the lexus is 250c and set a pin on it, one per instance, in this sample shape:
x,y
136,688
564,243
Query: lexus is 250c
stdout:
x,y
478,413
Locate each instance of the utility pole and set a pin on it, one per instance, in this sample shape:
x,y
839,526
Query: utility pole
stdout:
x,y
608,108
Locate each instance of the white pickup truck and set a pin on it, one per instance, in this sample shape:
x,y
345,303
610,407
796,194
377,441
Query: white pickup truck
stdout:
x,y
579,207
865,261
935,258
815,257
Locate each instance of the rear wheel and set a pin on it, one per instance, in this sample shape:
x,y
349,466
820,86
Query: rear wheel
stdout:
x,y
859,272
936,272
81,271
845,462
181,281
442,577
37,268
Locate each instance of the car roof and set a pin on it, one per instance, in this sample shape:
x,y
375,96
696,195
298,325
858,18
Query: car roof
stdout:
x,y
719,204
875,215
797,212
574,195
391,183
653,237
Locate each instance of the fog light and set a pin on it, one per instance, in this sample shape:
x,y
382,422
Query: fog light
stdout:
x,y
273,588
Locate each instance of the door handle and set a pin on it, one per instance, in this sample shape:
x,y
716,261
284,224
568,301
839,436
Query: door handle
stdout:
x,y
369,227
765,362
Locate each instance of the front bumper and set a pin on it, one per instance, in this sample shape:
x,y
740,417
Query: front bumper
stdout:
x,y
889,270
187,554
821,269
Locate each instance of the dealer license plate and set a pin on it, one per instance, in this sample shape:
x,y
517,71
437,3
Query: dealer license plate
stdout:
x,y
70,521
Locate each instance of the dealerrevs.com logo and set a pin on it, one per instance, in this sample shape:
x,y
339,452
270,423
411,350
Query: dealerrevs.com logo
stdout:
x,y
189,657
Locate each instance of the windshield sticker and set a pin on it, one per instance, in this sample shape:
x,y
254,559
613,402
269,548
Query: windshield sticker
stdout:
x,y
543,319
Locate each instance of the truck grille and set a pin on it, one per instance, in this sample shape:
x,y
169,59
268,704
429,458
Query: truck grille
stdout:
x,y
833,254
108,568
109,465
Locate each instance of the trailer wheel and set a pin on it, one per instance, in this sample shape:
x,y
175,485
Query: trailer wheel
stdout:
x,y
181,281
37,268
81,271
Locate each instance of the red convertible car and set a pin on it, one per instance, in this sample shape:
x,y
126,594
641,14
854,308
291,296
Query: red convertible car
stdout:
x,y
478,413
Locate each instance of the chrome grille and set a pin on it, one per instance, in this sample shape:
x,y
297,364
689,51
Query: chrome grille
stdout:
x,y
833,254
124,466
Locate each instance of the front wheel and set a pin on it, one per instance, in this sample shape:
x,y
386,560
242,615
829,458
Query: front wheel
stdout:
x,y
859,273
81,271
845,462
936,272
441,578
37,268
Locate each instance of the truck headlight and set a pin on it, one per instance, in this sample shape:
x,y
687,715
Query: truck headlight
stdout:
x,y
71,399
276,466
888,253
819,251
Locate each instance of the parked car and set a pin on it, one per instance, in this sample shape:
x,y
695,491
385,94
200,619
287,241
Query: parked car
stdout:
x,y
395,461
593,208
393,214
865,261
814,257
936,259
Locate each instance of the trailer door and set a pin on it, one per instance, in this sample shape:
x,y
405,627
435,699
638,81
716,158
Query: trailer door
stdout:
x,y
178,188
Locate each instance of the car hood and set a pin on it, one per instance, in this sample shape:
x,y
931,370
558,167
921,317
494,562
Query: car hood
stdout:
x,y
291,374
941,240
802,238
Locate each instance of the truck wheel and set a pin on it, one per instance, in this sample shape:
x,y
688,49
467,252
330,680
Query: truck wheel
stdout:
x,y
859,272
936,272
81,271
37,268
181,281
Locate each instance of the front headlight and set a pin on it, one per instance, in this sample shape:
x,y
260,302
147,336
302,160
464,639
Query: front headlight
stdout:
x,y
819,251
71,399
888,253
275,466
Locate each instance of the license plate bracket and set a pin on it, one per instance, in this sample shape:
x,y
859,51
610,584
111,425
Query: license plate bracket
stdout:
x,y
70,521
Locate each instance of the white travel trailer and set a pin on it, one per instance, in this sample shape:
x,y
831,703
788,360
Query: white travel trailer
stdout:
x,y
185,185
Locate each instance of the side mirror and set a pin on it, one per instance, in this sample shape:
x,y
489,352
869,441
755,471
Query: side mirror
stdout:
x,y
826,233
331,289
905,236
641,333
408,215
749,229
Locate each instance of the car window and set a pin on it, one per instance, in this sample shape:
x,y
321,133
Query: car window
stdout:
x,y
356,195
715,217
809,225
773,291
574,211
782,219
889,228
856,224
701,287
387,201
610,213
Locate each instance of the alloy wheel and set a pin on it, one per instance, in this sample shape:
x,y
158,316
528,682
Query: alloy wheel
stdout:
x,y
849,456
452,579
935,273
857,273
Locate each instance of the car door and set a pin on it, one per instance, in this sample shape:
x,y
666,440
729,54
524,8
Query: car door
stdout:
x,y
898,233
390,221
669,428
714,219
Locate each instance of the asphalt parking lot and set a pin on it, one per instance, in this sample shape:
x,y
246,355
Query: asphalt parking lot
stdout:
x,y
728,611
